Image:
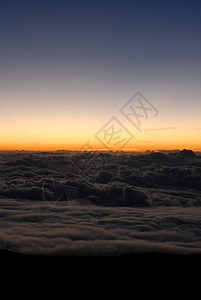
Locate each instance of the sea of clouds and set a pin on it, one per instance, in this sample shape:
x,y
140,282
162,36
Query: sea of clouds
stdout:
x,y
68,203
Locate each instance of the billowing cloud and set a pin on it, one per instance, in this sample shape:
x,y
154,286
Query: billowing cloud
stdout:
x,y
35,227
129,204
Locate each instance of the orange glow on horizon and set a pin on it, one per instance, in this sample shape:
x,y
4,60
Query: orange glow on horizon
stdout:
x,y
142,149
56,137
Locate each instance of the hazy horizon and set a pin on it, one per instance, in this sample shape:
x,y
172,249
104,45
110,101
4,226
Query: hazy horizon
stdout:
x,y
104,150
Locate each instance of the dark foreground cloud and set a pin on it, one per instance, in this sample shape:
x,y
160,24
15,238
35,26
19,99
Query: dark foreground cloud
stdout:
x,y
100,204
154,179
35,227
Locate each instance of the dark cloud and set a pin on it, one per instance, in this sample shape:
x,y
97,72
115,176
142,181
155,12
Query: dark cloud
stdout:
x,y
35,227
104,177
129,203
116,182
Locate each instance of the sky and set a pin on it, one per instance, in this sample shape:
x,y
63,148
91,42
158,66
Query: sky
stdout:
x,y
76,73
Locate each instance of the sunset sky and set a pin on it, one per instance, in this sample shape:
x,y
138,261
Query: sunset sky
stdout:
x,y
68,67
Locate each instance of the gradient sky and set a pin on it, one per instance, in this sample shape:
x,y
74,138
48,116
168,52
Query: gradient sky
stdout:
x,y
68,67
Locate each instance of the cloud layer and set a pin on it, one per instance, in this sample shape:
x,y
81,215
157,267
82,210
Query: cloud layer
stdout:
x,y
36,228
111,180
94,204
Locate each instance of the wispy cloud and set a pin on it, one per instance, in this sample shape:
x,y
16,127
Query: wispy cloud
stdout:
x,y
161,128
171,128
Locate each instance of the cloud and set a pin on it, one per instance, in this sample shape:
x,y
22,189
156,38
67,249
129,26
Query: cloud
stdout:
x,y
114,183
161,128
103,177
35,227
140,203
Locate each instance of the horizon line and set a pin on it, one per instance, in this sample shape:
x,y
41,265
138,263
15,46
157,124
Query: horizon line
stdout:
x,y
100,150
